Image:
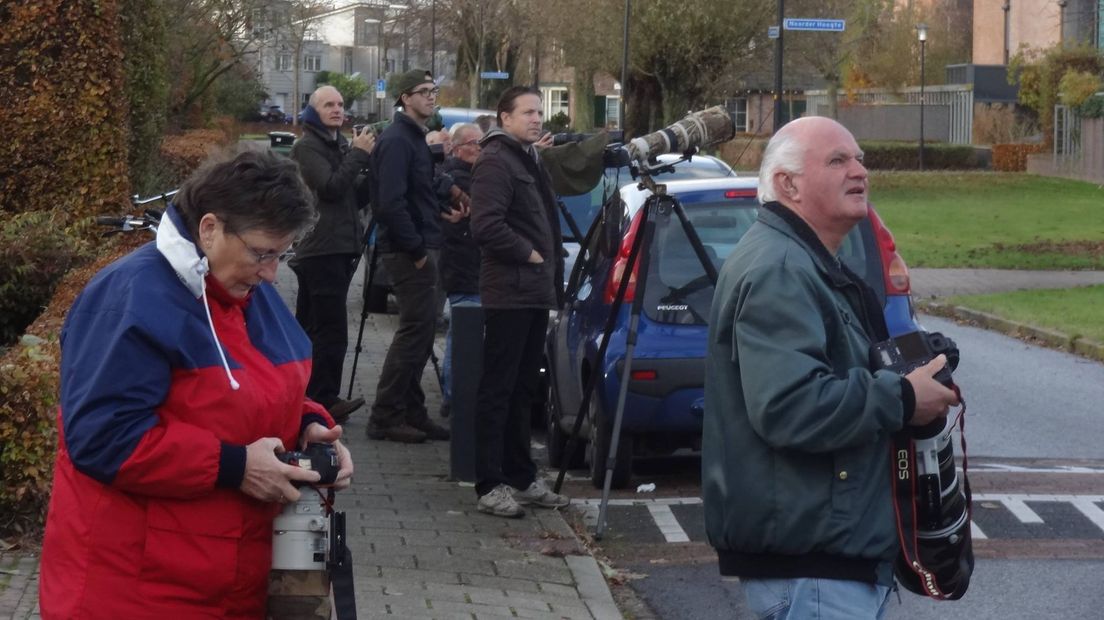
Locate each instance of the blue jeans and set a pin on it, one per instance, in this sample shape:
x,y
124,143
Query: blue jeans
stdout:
x,y
815,599
446,366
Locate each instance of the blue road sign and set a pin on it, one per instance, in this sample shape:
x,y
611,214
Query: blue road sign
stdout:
x,y
495,75
831,25
772,32
381,85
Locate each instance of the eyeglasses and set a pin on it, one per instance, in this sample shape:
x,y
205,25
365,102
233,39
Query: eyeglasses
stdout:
x,y
265,258
474,143
426,92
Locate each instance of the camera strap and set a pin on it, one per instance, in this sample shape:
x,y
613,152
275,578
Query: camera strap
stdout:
x,y
904,471
340,566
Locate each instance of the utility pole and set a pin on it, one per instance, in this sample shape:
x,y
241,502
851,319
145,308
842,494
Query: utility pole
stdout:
x,y
625,67
433,38
778,67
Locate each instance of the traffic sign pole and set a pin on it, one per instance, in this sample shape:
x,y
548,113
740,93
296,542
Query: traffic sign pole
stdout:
x,y
777,124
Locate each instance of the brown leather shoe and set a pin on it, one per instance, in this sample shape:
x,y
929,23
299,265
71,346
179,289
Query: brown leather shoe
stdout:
x,y
402,433
433,431
342,409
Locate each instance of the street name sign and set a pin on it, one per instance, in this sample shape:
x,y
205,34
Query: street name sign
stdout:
x,y
830,25
772,32
495,75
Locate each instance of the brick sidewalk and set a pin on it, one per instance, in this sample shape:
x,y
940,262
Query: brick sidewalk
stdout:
x,y
420,549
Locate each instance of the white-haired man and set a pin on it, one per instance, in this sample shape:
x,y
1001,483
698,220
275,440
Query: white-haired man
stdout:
x,y
796,438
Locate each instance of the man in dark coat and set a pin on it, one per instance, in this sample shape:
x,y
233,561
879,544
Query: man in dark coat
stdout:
x,y
514,220
460,252
409,239
324,259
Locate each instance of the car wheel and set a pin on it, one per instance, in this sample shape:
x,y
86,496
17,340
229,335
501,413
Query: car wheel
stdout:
x,y
598,450
558,438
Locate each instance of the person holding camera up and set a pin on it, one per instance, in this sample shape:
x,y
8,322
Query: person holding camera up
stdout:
x,y
409,238
183,376
796,436
515,222
325,258
460,252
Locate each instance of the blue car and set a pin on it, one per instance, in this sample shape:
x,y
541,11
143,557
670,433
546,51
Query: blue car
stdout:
x,y
665,397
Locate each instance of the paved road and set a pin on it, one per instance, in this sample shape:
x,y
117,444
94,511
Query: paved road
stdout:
x,y
927,283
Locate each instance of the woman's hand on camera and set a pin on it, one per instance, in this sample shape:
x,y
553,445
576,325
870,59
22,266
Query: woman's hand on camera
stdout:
x,y
316,433
268,479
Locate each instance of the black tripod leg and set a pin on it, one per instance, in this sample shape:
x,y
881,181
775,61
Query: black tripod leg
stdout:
x,y
596,372
364,306
695,240
626,373
570,221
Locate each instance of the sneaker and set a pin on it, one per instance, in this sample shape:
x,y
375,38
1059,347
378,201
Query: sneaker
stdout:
x,y
433,431
401,433
538,494
500,503
342,409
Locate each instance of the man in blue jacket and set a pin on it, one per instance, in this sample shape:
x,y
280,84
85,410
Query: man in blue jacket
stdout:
x,y
406,209
796,437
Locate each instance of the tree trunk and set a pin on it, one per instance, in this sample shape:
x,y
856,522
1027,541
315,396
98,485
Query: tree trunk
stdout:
x,y
833,98
583,120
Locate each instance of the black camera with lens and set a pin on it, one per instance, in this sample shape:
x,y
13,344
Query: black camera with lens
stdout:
x,y
910,351
933,500
437,153
319,457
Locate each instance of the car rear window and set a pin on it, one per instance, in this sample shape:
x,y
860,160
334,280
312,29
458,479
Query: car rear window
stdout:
x,y
678,291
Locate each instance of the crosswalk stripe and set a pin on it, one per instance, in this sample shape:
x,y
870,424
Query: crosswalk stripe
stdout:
x,y
667,523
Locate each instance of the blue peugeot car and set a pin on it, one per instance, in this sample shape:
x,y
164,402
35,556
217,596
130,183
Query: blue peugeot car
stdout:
x,y
665,396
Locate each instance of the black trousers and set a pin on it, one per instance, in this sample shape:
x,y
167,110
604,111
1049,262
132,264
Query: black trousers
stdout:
x,y
399,395
512,345
320,310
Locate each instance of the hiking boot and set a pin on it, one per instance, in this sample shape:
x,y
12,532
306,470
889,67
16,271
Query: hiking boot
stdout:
x,y
500,503
402,433
432,431
340,410
538,494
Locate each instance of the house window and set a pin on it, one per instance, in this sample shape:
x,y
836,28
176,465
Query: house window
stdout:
x,y
312,62
737,110
283,62
555,101
613,112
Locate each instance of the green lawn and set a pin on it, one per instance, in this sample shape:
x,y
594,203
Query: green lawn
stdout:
x,y
993,220
1074,311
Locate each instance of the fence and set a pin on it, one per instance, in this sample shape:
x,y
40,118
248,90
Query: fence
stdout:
x,y
1078,148
958,99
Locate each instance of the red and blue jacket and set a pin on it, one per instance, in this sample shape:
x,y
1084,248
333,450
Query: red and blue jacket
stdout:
x,y
146,519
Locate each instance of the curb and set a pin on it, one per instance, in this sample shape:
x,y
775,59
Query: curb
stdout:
x,y
1050,338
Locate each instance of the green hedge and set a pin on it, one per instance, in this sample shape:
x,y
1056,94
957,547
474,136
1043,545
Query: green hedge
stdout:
x,y
35,252
885,155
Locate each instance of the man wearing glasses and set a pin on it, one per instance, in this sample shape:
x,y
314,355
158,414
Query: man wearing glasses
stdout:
x,y
324,259
409,238
460,252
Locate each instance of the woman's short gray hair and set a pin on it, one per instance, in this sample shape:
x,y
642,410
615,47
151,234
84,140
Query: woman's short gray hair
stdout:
x,y
785,153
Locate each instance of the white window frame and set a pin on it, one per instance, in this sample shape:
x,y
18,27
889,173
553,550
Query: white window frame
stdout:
x,y
553,102
312,62
283,62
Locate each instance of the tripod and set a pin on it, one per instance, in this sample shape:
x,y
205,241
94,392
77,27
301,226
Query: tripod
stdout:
x,y
639,254
369,278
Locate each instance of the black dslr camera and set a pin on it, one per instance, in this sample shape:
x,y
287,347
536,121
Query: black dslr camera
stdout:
x,y
906,353
319,457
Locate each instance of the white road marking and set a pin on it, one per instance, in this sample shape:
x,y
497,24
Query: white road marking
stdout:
x,y
667,523
1016,503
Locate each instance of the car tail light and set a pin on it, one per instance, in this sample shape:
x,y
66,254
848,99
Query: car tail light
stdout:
x,y
894,269
644,375
617,270
741,193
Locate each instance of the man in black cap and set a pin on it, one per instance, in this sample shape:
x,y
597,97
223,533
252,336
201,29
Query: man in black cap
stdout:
x,y
409,238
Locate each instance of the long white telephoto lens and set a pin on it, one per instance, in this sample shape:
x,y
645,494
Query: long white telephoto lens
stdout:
x,y
698,129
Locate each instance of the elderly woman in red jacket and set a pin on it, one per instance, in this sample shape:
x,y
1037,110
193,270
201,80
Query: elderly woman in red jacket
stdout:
x,y
182,376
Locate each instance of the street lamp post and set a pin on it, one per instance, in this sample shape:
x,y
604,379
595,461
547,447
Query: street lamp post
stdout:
x,y
922,33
